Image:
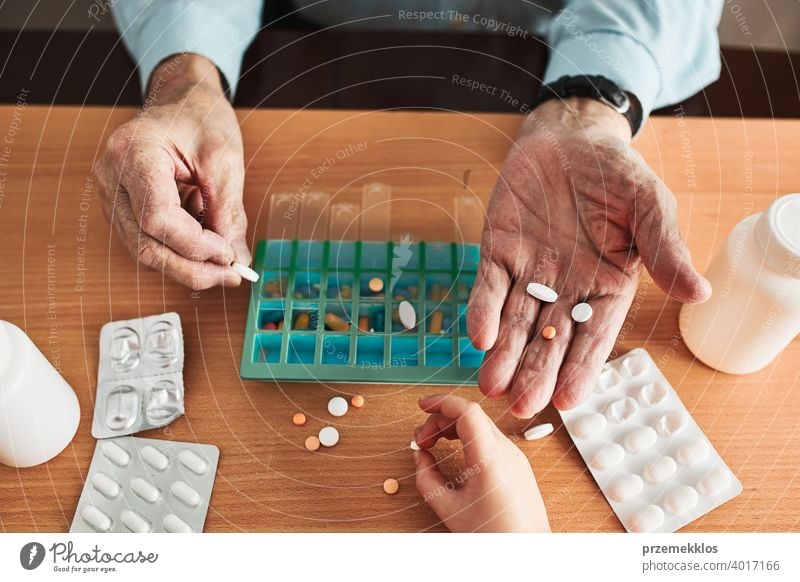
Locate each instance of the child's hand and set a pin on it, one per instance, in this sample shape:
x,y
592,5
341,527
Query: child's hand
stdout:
x,y
497,492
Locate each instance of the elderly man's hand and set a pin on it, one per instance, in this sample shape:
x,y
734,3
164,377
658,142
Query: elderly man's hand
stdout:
x,y
576,209
171,179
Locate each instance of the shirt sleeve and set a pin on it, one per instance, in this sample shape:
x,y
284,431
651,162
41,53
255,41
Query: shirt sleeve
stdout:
x,y
662,51
219,30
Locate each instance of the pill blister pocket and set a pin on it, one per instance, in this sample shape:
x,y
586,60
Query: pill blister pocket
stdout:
x,y
138,485
652,462
140,375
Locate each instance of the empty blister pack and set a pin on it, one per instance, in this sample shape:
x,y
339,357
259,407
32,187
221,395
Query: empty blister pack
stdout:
x,y
652,462
146,485
140,375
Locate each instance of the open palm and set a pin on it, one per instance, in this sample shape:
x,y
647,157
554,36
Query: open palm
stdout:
x,y
579,212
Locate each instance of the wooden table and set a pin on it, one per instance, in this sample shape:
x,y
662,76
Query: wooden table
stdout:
x,y
52,227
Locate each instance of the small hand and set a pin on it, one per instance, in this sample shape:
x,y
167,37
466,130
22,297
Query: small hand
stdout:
x,y
171,179
497,492
577,209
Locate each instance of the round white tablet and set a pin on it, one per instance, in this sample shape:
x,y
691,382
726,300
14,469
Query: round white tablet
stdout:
x,y
541,292
640,439
660,470
328,436
609,456
581,312
589,425
715,481
245,272
407,315
337,406
625,487
538,431
692,452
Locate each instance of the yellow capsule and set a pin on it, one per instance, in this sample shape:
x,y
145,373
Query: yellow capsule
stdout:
x,y
302,321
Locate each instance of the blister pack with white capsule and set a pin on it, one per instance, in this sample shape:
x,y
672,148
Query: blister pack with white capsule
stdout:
x,y
140,375
138,485
653,463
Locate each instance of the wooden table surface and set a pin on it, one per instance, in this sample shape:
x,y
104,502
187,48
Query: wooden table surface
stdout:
x,y
52,227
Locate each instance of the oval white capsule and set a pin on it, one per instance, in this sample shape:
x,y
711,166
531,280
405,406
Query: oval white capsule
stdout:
x,y
660,470
174,524
155,458
692,452
145,490
541,292
647,519
609,456
115,453
192,461
589,425
105,485
134,522
96,518
714,482
640,439
538,431
185,494
626,487
680,500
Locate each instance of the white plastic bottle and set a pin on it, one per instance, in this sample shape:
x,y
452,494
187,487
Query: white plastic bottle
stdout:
x,y
39,412
754,310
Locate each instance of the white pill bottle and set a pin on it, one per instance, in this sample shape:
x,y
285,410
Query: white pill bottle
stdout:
x,y
754,310
39,412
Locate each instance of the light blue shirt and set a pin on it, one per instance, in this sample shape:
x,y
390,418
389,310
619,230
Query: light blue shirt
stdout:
x,y
662,51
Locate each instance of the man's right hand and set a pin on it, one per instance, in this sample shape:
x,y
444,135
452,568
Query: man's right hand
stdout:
x,y
171,179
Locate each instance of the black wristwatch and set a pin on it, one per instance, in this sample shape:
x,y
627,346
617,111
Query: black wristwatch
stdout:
x,y
595,87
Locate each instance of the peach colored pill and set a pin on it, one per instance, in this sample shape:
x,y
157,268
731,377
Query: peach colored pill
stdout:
x,y
549,332
299,419
312,443
357,401
376,284
390,486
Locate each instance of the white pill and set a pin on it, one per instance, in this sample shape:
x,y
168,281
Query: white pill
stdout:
x,y
337,406
414,446
581,312
652,394
541,292
609,378
174,524
134,522
619,411
115,453
245,272
193,462
635,364
714,482
328,436
105,485
407,315
96,518
538,431
155,458
648,519
145,490
626,487
671,423
609,456
185,494
589,425
680,500
640,439
660,470
692,452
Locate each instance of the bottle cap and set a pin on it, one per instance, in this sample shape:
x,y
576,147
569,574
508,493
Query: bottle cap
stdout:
x,y
777,233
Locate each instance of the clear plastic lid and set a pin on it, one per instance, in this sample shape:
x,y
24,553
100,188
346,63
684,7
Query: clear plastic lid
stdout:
x,y
777,233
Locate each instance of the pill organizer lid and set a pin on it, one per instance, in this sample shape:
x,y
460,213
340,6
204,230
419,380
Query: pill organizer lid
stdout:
x,y
10,374
777,232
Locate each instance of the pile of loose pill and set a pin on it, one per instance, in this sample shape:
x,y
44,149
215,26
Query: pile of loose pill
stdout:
x,y
328,436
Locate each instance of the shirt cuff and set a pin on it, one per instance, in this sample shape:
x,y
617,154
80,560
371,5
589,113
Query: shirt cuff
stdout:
x,y
613,55
191,29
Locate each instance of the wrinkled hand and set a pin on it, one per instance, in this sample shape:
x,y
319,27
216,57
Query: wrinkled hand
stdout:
x,y
171,179
497,492
576,208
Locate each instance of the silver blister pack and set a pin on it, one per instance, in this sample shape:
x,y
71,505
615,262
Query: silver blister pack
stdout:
x,y
138,485
140,375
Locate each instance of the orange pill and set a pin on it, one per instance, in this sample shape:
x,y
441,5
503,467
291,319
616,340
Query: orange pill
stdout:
x,y
390,486
299,419
376,284
357,401
312,443
549,332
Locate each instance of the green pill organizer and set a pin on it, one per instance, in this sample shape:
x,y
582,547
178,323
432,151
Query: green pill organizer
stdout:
x,y
328,311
